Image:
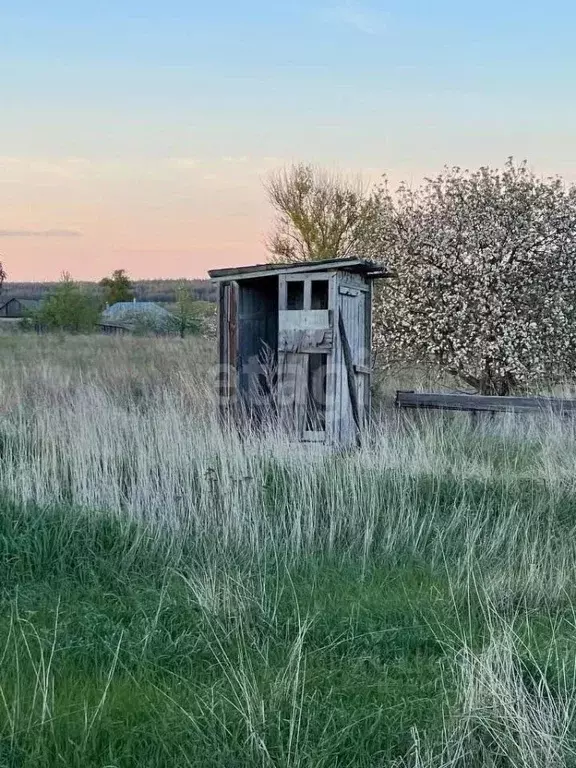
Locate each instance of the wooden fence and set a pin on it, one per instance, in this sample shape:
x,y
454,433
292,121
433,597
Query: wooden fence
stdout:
x,y
484,403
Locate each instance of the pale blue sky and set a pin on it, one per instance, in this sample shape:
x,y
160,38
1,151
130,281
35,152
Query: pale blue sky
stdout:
x,y
147,126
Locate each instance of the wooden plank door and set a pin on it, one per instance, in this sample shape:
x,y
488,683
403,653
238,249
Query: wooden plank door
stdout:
x,y
354,356
305,342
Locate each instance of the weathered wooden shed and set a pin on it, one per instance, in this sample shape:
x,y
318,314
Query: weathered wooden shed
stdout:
x,y
296,346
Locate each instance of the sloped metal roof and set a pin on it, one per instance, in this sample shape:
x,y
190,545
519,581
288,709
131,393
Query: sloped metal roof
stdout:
x,y
127,312
369,269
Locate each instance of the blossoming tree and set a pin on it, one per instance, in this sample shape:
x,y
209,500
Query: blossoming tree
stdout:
x,y
486,276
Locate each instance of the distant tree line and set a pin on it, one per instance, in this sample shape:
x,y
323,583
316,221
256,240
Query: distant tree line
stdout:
x,y
161,291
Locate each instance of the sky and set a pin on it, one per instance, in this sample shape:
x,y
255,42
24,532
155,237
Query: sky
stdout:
x,y
137,134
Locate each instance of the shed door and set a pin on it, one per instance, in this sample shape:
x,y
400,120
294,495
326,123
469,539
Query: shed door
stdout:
x,y
228,341
305,344
354,329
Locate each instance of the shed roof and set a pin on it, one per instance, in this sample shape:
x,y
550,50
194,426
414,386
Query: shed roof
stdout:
x,y
369,269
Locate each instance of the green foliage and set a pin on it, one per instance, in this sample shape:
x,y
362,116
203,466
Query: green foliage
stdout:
x,y
117,288
188,319
68,308
29,322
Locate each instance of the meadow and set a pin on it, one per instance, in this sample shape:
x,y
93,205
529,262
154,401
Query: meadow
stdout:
x,y
174,595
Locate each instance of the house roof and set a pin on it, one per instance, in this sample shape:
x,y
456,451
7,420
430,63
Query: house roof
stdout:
x,y
369,269
138,307
27,303
132,312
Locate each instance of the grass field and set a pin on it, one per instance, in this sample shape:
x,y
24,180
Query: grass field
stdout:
x,y
173,596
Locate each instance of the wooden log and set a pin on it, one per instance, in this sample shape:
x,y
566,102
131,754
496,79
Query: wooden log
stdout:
x,y
487,403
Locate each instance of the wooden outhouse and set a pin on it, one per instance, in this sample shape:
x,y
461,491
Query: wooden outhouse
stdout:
x,y
296,346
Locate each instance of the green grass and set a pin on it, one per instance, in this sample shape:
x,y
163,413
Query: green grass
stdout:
x,y
122,647
111,658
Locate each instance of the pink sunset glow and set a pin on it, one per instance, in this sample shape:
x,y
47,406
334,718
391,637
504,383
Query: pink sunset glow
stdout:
x,y
169,218
177,218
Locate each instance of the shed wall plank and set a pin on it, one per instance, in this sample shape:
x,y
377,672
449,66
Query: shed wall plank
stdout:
x,y
304,320
332,409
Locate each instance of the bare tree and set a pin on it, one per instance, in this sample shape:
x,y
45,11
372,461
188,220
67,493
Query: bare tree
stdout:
x,y
3,276
486,276
319,215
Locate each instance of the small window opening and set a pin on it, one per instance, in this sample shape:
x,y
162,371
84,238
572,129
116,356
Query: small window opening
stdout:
x,y
320,294
295,294
316,399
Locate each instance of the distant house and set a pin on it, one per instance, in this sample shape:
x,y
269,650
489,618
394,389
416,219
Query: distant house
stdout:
x,y
112,329
15,308
137,316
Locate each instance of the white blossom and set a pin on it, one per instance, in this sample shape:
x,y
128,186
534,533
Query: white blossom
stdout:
x,y
485,284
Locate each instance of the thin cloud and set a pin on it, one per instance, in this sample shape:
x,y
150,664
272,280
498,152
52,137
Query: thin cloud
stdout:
x,y
236,159
39,233
66,167
194,163
365,20
183,163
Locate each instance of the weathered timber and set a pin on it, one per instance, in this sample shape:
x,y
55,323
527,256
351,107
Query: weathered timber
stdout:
x,y
305,320
351,377
228,334
295,346
306,341
293,380
364,267
486,403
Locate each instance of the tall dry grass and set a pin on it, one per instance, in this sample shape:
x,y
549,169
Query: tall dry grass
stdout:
x,y
128,426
